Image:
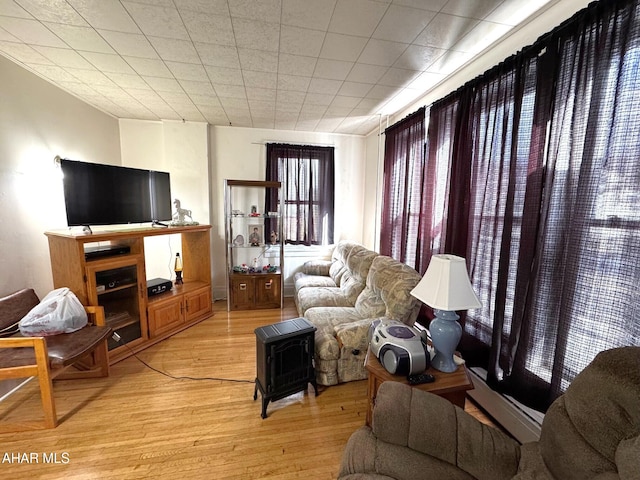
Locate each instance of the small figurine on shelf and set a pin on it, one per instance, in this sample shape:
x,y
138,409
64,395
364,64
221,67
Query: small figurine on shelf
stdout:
x,y
274,238
178,269
179,218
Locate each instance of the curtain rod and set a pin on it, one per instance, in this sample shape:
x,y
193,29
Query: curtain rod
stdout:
x,y
264,142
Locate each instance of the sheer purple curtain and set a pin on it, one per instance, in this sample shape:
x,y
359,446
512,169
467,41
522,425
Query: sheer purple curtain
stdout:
x,y
543,153
307,174
403,189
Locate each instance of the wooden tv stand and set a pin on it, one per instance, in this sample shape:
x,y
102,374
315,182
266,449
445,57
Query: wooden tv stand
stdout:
x,y
118,283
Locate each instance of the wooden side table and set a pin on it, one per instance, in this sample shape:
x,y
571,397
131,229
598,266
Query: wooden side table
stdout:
x,y
452,386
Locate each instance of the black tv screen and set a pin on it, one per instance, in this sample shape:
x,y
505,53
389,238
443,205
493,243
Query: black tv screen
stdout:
x,y
96,194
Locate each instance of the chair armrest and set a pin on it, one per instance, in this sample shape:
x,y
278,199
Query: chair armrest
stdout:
x,y
96,314
431,425
354,335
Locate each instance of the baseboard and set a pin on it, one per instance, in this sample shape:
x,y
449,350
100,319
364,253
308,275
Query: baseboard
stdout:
x,y
520,421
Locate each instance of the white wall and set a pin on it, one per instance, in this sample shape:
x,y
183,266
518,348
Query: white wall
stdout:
x,y
240,154
37,122
182,149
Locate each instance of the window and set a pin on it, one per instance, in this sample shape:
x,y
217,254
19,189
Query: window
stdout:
x,y
307,177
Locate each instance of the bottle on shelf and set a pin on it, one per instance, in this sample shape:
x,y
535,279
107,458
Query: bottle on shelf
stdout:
x,y
178,269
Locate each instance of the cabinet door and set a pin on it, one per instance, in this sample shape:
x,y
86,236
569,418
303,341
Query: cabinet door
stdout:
x,y
197,304
267,291
115,285
242,292
165,316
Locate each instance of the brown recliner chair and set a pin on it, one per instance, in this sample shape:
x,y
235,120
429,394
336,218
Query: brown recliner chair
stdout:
x,y
590,432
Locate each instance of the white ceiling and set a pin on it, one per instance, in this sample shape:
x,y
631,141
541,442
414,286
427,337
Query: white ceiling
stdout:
x,y
313,65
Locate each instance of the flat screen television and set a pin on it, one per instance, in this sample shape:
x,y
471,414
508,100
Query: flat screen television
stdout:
x,y
96,194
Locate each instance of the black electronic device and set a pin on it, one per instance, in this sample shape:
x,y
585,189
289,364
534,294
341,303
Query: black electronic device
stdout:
x,y
420,378
119,277
100,251
156,286
96,194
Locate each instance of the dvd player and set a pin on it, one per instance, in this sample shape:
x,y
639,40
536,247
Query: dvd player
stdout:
x,y
100,251
157,286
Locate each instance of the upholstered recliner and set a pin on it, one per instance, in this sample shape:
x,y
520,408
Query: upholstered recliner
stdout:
x,y
590,432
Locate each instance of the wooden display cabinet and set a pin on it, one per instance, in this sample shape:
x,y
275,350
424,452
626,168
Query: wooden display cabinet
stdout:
x,y
253,236
118,283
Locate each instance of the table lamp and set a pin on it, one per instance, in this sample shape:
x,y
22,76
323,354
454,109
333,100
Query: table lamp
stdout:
x,y
446,287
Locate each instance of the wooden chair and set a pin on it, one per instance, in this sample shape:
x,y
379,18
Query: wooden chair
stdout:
x,y
50,357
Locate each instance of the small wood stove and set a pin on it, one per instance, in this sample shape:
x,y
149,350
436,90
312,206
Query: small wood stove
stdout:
x,y
284,357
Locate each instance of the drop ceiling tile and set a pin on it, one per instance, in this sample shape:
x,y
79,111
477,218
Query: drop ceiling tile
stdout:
x,y
285,125
105,14
31,32
300,41
477,9
225,76
218,55
342,47
356,17
256,35
310,110
291,97
24,53
175,98
205,100
188,71
218,7
433,5
341,101
328,124
402,24
157,21
81,38
417,57
284,116
398,77
260,79
91,77
230,91
132,44
261,95
306,125
261,107
425,81
107,62
382,52
382,91
321,85
365,73
258,60
293,83
318,99
127,81
58,11
160,84
11,9
188,112
481,37
332,69
197,88
65,57
235,105
355,89
259,122
449,62
290,109
208,28
264,10
512,12
336,111
296,65
445,30
305,14
7,37
145,96
79,89
175,50
53,72
145,66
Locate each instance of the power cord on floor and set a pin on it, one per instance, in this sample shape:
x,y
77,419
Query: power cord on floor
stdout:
x,y
118,339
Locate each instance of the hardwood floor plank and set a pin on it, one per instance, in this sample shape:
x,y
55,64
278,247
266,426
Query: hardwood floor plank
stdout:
x,y
139,423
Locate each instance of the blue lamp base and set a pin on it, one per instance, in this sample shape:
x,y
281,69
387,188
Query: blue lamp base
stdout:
x,y
445,334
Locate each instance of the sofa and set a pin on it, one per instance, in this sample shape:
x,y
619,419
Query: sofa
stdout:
x,y
590,432
342,295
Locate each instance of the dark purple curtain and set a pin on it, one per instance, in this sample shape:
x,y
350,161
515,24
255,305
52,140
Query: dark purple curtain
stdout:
x,y
539,189
403,184
307,175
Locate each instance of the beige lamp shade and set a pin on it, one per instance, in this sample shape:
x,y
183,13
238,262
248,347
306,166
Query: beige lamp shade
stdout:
x,y
446,285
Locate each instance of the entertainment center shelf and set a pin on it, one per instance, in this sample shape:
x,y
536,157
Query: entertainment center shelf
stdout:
x,y
116,280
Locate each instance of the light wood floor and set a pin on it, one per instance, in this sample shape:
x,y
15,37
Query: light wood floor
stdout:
x,y
141,424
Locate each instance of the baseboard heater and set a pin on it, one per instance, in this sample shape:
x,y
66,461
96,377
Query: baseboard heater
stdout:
x,y
520,421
